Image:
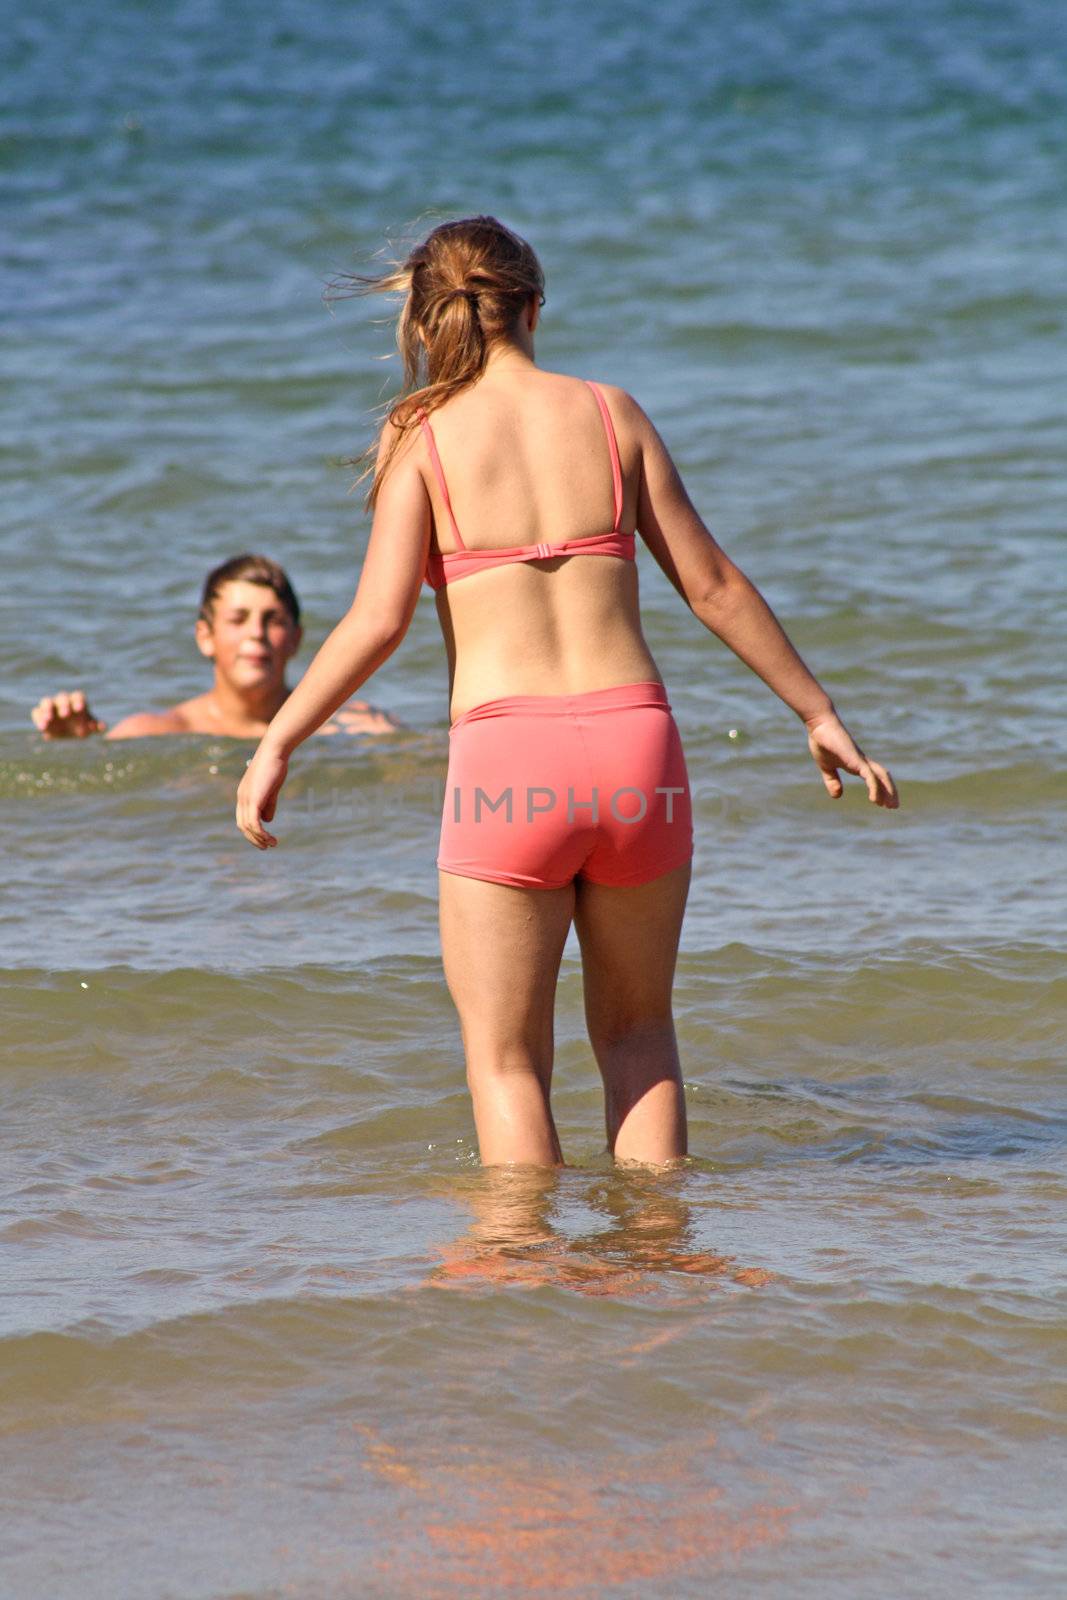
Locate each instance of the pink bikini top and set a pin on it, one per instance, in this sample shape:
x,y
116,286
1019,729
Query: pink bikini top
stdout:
x,y
452,564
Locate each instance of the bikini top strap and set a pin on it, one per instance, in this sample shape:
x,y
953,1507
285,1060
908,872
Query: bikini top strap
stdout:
x,y
435,461
616,470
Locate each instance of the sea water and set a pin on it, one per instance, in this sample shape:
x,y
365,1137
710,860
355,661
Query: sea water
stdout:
x,y
268,1328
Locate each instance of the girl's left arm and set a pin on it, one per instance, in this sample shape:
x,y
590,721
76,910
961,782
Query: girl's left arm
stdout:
x,y
367,635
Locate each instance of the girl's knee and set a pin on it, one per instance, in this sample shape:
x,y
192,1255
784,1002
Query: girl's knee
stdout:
x,y
493,1062
630,1031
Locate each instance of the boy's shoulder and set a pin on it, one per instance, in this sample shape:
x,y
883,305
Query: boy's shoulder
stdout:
x,y
177,719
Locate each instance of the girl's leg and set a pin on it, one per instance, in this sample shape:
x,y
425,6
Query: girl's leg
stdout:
x,y
501,948
629,940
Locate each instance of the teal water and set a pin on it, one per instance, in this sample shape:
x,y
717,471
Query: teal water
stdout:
x,y
267,1328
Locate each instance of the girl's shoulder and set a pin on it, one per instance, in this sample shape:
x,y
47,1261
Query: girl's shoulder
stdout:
x,y
629,420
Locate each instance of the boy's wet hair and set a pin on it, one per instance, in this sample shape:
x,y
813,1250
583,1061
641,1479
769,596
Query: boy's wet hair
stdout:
x,y
249,569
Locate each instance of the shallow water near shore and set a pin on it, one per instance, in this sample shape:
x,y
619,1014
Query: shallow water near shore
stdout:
x,y
268,1329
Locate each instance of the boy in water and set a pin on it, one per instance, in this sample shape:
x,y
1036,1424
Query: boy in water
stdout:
x,y
249,627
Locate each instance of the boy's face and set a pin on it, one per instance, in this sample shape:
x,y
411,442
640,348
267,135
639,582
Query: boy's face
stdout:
x,y
250,637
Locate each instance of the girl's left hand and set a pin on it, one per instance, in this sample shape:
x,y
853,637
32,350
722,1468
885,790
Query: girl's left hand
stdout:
x,y
257,796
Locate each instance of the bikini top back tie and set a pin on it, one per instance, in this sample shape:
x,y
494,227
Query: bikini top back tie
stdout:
x,y
450,565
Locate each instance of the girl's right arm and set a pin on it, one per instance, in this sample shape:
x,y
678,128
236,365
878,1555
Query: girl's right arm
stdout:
x,y
730,606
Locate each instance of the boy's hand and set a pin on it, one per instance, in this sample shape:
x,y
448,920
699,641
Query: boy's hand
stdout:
x,y
359,716
257,795
65,716
832,746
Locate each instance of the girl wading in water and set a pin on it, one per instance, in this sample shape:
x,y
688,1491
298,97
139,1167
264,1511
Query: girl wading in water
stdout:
x,y
567,796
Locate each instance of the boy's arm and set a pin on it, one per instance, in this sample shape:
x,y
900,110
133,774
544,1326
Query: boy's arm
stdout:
x,y
359,716
142,723
67,716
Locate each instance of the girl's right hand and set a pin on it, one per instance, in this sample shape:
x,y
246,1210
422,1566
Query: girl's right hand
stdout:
x,y
257,794
832,746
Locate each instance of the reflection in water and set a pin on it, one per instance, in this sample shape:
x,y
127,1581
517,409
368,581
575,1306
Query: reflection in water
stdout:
x,y
513,1238
477,1524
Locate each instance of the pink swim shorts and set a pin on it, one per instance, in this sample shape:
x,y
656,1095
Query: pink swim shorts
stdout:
x,y
542,788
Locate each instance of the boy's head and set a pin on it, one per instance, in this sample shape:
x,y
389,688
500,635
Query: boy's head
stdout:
x,y
249,622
